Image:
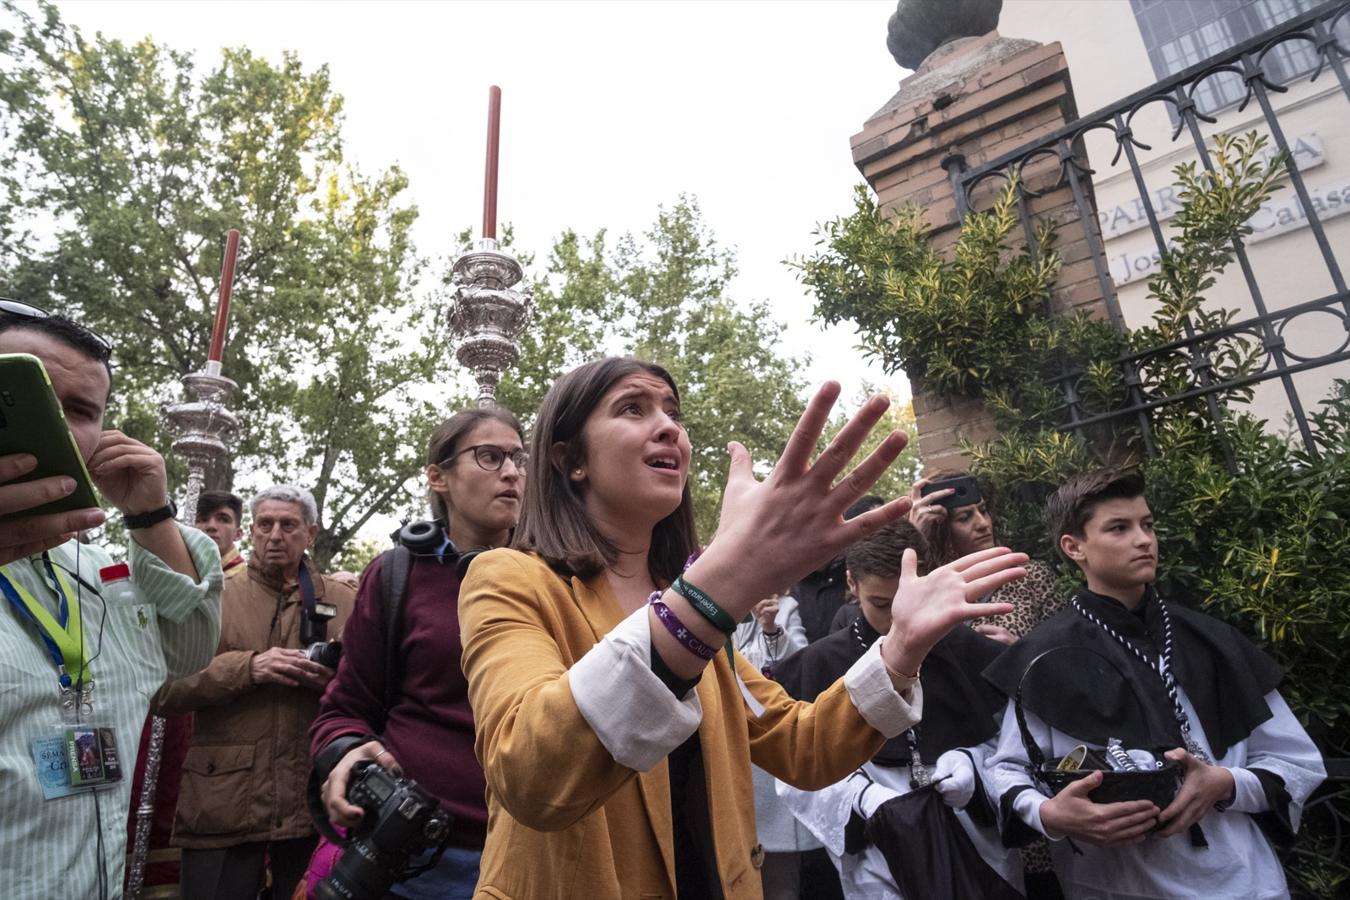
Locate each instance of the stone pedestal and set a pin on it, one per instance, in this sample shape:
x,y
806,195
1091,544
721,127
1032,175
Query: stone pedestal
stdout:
x,y
975,98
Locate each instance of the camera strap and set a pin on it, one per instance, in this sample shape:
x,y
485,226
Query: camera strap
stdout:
x,y
307,589
316,614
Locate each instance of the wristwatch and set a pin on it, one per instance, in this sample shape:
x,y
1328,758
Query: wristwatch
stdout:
x,y
144,520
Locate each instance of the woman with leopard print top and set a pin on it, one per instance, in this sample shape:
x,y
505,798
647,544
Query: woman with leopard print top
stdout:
x,y
954,533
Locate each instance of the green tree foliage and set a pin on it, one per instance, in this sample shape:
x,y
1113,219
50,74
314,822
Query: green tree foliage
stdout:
x,y
358,553
901,475
973,325
662,296
1265,548
124,168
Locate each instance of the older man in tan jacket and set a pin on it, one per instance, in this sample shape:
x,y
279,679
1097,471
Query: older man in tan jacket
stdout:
x,y
242,800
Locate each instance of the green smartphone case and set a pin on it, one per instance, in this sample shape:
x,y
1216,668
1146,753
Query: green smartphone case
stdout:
x,y
31,421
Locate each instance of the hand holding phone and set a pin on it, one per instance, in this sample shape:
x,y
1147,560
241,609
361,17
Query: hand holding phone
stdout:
x,y
23,535
45,491
964,491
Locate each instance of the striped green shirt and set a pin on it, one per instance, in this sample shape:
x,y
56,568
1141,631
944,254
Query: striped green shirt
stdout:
x,y
75,847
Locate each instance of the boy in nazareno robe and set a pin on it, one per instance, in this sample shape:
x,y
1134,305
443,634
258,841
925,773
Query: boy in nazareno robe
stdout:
x,y
960,711
1195,691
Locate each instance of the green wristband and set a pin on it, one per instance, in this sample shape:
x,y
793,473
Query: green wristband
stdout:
x,y
704,606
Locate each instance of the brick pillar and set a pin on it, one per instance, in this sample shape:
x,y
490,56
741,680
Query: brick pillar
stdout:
x,y
979,97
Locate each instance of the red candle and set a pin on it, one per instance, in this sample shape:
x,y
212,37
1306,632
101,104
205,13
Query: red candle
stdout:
x,y
490,176
223,306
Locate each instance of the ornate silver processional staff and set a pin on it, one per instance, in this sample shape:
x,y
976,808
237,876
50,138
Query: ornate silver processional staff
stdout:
x,y
488,315
205,428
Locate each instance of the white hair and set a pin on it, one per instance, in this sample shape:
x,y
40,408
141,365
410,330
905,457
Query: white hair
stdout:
x,y
288,493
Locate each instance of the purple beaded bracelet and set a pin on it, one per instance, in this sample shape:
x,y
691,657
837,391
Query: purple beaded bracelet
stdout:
x,y
687,639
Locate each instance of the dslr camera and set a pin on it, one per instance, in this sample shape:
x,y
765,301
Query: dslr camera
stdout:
x,y
325,653
314,633
400,820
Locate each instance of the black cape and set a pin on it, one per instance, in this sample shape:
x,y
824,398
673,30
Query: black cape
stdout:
x,y
1225,677
960,709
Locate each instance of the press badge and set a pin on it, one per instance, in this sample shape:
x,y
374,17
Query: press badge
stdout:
x,y
76,758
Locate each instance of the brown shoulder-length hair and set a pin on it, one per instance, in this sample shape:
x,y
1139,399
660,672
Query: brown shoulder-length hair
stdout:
x,y
446,439
553,519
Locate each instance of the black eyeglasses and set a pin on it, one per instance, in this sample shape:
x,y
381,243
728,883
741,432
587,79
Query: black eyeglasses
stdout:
x,y
29,311
490,457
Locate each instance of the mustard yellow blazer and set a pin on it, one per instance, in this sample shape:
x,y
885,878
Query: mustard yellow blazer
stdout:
x,y
573,730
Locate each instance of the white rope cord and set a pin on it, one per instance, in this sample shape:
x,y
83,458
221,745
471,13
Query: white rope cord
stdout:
x,y
1162,668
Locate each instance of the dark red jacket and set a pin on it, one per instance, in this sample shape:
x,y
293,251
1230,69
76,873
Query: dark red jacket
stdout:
x,y
429,730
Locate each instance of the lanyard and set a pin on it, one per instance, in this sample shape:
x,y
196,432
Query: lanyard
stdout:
x,y
1162,668
62,636
919,774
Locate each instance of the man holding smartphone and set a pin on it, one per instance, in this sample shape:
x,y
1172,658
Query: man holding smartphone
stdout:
x,y
82,647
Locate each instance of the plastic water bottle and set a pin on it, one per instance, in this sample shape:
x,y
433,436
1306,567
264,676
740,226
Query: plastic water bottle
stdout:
x,y
117,587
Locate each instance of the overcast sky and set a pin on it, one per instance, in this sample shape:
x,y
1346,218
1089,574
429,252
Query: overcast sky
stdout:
x,y
609,110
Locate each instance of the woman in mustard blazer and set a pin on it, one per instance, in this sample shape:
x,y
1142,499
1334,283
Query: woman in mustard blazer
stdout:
x,y
615,733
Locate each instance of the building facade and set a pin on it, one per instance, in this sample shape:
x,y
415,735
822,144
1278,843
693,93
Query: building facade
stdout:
x,y
1115,48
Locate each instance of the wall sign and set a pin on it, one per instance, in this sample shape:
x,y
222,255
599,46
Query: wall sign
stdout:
x,y
1280,214
1130,216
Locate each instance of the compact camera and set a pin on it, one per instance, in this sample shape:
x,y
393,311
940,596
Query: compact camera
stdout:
x,y
400,820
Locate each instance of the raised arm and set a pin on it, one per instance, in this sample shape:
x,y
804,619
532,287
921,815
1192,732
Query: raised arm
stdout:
x,y
187,606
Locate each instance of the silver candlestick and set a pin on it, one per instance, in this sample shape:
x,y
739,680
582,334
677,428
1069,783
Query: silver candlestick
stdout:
x,y
488,315
205,430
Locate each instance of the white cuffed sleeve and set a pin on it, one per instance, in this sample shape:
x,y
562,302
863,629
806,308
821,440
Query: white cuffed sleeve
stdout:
x,y
635,716
1027,807
1248,794
887,710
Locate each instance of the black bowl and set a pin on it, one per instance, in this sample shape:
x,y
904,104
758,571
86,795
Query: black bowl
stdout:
x,y
1157,785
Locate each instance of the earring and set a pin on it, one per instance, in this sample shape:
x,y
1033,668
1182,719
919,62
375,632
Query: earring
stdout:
x,y
577,473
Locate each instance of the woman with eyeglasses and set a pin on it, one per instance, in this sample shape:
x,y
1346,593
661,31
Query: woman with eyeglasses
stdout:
x,y
616,726
476,465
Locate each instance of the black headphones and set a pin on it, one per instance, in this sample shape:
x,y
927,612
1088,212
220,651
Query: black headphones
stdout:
x,y
423,538
428,537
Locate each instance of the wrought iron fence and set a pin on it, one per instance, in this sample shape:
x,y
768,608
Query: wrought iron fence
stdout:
x,y
1062,153
1058,161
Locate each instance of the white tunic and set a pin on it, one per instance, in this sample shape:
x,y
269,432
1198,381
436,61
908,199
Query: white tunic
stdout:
x,y
1239,861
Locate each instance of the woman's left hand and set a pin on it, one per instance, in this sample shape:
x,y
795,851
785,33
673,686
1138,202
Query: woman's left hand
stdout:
x,y
926,607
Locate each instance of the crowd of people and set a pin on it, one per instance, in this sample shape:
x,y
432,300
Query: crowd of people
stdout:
x,y
552,689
